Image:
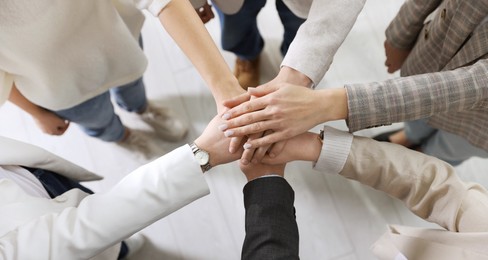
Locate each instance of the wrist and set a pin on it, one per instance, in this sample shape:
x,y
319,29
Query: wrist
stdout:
x,y
295,77
38,112
213,160
225,89
314,144
335,107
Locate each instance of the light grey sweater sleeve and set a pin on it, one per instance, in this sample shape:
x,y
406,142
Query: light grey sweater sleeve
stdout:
x,y
319,37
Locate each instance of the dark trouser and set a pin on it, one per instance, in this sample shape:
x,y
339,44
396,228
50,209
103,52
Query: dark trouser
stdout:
x,y
240,33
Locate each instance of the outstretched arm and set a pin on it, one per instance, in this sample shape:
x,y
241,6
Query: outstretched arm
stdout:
x,y
428,186
180,20
271,228
48,122
99,221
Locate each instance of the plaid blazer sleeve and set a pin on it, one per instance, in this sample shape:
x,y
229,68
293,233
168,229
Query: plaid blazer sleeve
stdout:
x,y
419,96
407,24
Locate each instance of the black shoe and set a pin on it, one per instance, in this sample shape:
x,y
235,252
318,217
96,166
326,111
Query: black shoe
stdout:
x,y
385,137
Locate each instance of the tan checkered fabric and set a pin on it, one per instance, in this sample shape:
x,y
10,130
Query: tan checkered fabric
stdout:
x,y
454,45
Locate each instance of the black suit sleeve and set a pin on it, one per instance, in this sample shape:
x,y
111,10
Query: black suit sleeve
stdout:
x,y
271,228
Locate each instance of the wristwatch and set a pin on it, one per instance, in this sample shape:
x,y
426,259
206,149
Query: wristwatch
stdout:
x,y
202,156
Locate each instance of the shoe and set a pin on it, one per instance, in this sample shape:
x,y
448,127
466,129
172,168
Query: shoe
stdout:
x,y
247,72
164,123
134,244
385,137
138,142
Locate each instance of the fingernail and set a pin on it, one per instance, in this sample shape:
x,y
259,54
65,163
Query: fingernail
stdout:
x,y
226,116
231,150
247,146
223,127
228,133
244,161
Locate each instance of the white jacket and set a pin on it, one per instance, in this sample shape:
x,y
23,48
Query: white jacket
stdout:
x,y
76,225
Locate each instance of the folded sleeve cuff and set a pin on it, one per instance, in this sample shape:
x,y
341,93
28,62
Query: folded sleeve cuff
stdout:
x,y
6,82
153,6
335,150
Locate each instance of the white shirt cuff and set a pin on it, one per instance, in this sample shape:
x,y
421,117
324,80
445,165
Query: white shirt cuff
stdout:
x,y
335,150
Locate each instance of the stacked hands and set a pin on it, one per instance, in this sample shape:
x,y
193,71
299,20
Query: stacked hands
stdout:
x,y
304,147
273,119
271,122
268,125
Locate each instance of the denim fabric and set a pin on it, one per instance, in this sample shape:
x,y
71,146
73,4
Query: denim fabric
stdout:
x,y
96,116
448,147
240,33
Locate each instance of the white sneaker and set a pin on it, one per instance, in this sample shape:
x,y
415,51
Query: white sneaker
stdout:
x,y
164,123
138,142
134,244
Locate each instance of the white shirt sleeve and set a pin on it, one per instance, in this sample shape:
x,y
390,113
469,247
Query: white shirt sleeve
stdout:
x,y
319,37
335,150
6,83
153,6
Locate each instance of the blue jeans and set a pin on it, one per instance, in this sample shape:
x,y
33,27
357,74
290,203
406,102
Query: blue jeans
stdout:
x,y
96,116
240,33
449,147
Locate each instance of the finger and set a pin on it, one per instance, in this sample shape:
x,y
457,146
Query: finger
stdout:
x,y
248,153
266,140
244,120
235,144
261,151
246,107
230,103
262,90
277,148
250,129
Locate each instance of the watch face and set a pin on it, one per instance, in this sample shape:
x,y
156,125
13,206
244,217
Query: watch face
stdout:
x,y
202,157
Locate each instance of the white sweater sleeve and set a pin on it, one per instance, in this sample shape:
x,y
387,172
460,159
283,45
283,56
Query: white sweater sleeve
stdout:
x,y
101,220
319,37
153,6
6,83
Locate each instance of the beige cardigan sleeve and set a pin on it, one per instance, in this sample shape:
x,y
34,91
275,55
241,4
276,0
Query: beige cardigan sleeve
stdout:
x,y
428,186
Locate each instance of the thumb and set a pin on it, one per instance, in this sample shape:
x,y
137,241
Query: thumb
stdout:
x,y
262,90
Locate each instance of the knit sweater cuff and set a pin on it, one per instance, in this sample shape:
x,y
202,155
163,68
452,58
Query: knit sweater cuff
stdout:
x,y
335,150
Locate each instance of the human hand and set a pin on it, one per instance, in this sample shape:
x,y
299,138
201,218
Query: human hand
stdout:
x,y
50,123
214,142
287,110
303,147
205,12
253,171
394,57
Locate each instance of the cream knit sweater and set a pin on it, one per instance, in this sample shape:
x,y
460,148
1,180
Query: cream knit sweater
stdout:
x,y
62,53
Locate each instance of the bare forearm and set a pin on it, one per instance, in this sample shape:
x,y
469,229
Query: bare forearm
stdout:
x,y
186,28
292,76
19,100
331,104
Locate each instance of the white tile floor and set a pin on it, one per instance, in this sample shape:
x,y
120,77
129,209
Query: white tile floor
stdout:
x,y
337,218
